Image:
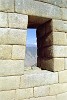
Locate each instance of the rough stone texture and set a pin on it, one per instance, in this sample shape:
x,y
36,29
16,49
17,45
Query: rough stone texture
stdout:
x,y
41,91
58,89
37,9
65,26
3,19
11,67
5,51
7,6
62,76
64,2
65,63
64,10
59,41
38,79
24,93
16,36
17,20
12,36
57,25
18,52
9,83
62,96
7,95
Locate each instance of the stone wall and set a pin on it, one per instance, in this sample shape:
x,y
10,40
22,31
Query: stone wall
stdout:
x,y
17,83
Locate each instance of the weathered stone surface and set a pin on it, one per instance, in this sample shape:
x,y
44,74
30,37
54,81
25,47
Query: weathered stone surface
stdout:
x,y
12,36
5,51
7,95
57,25
65,63
58,64
63,76
58,51
11,67
58,88
3,36
64,13
6,5
38,9
38,79
65,26
24,93
9,83
41,91
18,20
59,38
16,36
64,3
3,19
62,96
18,52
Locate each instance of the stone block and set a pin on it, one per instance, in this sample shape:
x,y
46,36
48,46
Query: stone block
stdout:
x,y
57,25
17,20
7,6
11,67
65,63
24,93
7,95
12,36
60,51
59,38
37,9
65,26
59,64
9,83
63,76
5,51
41,91
38,79
17,36
3,19
3,36
64,3
56,89
62,96
64,13
18,52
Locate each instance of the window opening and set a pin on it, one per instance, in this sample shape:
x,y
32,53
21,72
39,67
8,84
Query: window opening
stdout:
x,y
31,48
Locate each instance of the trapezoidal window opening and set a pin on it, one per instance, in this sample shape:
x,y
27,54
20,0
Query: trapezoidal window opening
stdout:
x,y
43,27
